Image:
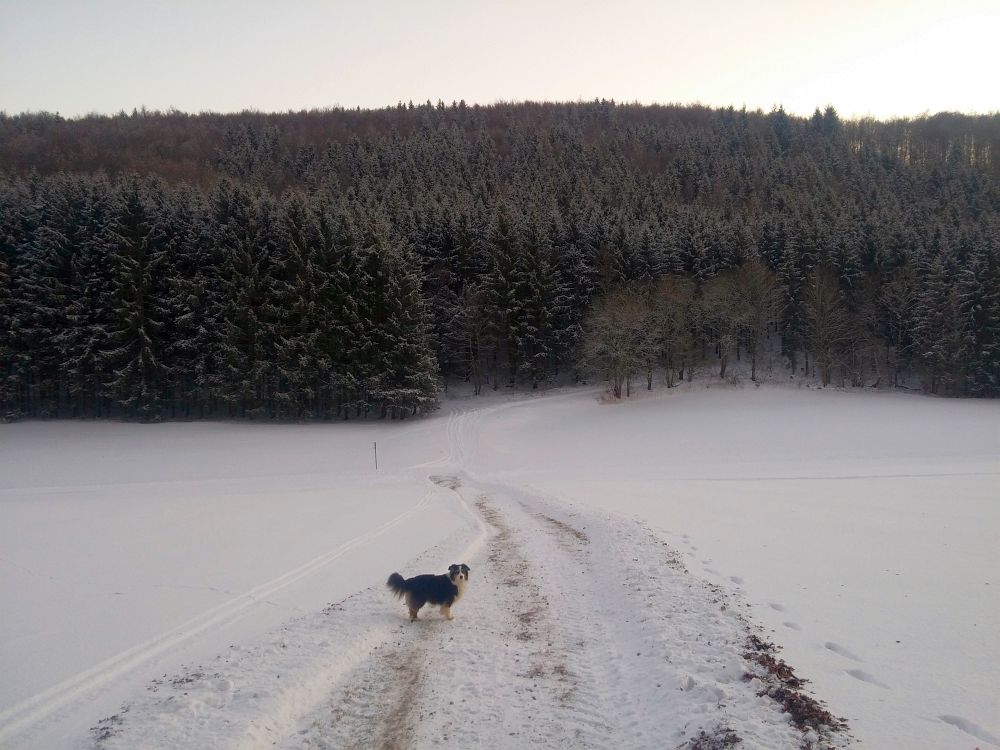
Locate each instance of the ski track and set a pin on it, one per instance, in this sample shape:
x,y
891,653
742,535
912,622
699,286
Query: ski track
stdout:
x,y
20,718
578,630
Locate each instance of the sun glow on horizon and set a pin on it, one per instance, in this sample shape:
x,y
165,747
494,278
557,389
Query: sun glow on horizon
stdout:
x,y
882,58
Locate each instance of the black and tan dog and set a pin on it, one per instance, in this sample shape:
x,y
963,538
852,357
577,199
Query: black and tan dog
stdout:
x,y
441,591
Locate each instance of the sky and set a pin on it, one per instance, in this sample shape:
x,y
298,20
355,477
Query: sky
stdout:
x,y
882,58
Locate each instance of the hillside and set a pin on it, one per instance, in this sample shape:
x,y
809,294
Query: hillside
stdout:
x,y
339,263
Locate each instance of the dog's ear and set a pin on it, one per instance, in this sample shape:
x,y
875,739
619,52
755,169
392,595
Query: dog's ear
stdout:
x,y
465,568
453,568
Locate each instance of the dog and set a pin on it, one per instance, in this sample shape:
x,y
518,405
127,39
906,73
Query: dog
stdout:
x,y
441,591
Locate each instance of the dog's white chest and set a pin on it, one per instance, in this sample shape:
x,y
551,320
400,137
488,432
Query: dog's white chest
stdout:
x,y
460,584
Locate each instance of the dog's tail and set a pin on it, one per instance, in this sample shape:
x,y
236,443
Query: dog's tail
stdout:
x,y
396,584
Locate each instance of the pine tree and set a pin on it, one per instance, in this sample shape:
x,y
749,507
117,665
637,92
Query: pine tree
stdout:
x,y
899,301
42,296
577,282
189,268
538,294
299,288
337,257
942,339
137,374
13,210
504,279
396,368
792,281
980,292
90,305
244,320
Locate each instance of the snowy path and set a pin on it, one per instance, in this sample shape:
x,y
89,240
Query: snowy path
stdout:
x,y
578,630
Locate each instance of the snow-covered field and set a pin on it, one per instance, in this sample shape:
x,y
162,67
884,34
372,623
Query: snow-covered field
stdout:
x,y
174,580
862,528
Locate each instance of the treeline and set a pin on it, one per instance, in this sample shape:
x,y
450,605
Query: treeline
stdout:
x,y
135,299
342,263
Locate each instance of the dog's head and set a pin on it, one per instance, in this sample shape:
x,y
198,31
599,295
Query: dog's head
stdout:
x,y
459,572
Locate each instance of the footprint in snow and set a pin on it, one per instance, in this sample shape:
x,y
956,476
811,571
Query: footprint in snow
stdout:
x,y
776,607
841,651
737,580
792,625
858,674
970,728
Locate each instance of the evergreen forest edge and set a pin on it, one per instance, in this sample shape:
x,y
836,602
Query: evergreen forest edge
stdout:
x,y
337,263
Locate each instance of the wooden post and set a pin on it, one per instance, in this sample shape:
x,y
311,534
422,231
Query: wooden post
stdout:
x,y
375,445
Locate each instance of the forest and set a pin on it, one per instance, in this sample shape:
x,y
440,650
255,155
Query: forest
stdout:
x,y
340,263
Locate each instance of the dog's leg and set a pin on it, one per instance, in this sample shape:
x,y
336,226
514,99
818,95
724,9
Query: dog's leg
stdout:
x,y
446,611
413,606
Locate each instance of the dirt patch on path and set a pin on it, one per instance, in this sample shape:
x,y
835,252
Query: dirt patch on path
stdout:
x,y
397,728
564,529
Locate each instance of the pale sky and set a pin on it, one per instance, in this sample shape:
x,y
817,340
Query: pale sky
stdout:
x,y
866,57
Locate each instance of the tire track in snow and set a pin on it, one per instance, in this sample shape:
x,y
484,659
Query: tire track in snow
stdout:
x,y
576,631
496,676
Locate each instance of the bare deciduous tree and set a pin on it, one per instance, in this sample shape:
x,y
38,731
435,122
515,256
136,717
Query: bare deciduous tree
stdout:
x,y
760,300
827,322
868,354
620,338
672,299
724,317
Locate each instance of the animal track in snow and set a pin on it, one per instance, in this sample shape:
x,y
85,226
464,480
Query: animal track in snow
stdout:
x,y
737,580
776,607
792,625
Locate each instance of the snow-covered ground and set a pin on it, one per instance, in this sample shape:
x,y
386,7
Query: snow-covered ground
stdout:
x,y
129,550
862,528
173,579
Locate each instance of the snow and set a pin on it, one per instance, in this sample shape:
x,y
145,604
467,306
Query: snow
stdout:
x,y
128,550
176,580
862,528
